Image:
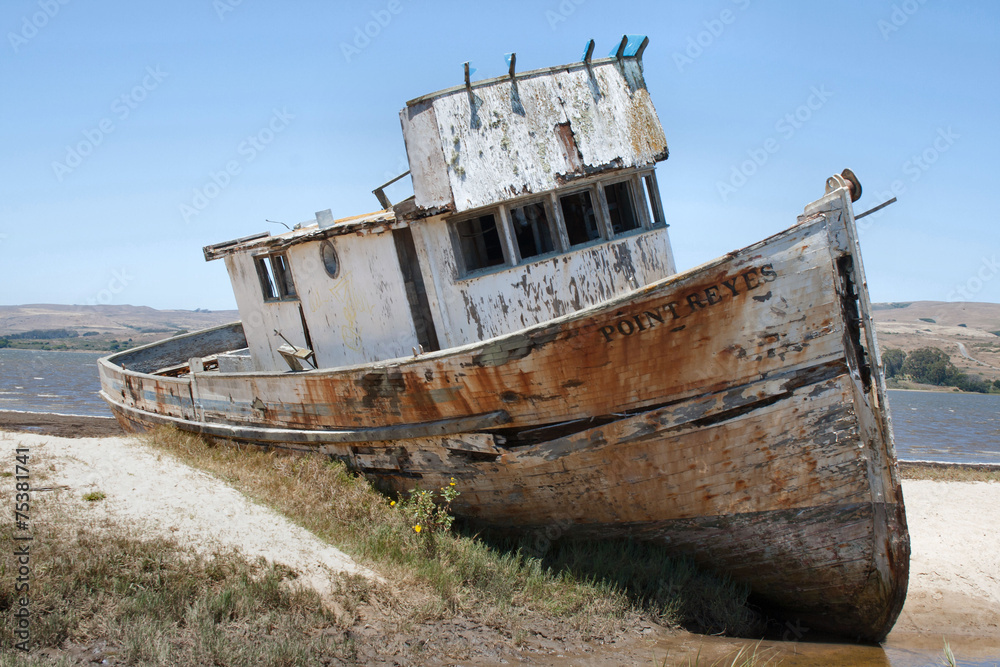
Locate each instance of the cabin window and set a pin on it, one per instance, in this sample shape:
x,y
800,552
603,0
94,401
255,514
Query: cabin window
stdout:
x,y
580,218
620,209
275,277
331,263
531,230
479,240
651,197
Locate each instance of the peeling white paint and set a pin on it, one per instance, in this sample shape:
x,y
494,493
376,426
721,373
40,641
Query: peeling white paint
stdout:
x,y
361,315
484,306
499,139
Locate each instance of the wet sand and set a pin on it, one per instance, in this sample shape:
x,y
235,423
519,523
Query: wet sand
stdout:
x,y
60,425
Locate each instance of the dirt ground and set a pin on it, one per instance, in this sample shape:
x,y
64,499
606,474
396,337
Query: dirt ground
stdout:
x,y
59,425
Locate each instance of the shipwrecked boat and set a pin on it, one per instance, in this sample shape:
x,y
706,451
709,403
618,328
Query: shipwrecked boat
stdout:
x,y
519,324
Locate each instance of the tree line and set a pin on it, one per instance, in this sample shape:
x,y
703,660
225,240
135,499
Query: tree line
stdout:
x,y
929,365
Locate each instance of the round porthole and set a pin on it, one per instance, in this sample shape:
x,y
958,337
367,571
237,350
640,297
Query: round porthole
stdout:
x,y
330,260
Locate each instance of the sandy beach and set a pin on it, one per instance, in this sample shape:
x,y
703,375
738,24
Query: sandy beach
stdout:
x,y
954,588
955,559
154,495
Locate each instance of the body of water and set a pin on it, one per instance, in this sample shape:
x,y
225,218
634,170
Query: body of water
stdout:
x,y
64,383
946,426
929,426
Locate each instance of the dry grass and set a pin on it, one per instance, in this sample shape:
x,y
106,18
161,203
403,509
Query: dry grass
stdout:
x,y
593,588
948,472
104,592
746,656
108,594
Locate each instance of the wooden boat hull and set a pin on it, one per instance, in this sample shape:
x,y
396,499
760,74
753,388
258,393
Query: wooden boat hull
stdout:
x,y
735,412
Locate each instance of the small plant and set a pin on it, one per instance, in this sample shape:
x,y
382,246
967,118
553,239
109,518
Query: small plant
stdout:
x,y
949,657
94,496
430,511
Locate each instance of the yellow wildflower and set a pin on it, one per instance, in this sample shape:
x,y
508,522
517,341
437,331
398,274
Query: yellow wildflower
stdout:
x,y
417,528
392,504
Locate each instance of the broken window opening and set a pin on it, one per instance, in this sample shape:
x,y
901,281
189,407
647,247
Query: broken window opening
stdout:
x,y
620,208
479,240
283,277
531,230
652,200
275,278
580,218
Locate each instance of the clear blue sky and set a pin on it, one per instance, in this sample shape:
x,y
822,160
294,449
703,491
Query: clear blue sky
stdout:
x,y
117,114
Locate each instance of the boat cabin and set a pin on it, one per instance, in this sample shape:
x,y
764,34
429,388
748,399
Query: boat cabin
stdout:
x,y
535,196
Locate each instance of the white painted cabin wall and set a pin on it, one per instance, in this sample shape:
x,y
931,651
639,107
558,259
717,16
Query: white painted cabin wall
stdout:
x,y
362,315
504,144
484,306
261,318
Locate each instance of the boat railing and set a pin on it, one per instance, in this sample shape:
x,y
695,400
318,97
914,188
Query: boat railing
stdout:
x,y
175,352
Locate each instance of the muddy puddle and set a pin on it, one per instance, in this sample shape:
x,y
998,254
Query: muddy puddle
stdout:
x,y
900,650
897,651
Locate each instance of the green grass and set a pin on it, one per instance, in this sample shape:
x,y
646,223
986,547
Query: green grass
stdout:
x,y
94,496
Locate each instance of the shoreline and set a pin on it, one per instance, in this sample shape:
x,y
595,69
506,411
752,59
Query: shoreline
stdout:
x,y
53,414
942,390
65,426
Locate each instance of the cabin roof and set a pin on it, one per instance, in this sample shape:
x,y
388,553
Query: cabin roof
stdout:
x,y
485,142
368,223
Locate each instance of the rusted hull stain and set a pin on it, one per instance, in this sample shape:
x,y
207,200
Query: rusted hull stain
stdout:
x,y
719,412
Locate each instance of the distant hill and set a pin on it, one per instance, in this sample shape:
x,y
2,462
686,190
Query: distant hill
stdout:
x,y
969,332
117,319
97,326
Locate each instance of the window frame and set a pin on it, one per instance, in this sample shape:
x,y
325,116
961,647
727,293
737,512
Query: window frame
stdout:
x,y
630,182
502,225
550,223
600,213
275,276
646,205
651,203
